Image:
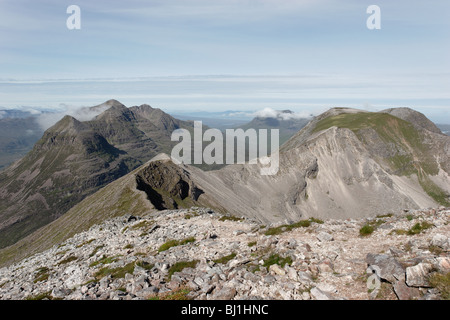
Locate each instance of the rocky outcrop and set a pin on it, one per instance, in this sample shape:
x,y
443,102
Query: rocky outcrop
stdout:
x,y
197,253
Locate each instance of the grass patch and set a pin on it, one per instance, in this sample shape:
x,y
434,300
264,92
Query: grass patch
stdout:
x,y
225,259
277,259
96,249
143,224
174,243
42,274
387,215
399,232
366,230
419,227
442,283
179,294
370,227
410,217
415,229
129,246
435,250
179,266
103,260
41,296
251,243
230,218
115,273
67,260
289,227
85,243
145,265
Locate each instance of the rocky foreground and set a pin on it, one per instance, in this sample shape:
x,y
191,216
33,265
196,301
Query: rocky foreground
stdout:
x,y
199,254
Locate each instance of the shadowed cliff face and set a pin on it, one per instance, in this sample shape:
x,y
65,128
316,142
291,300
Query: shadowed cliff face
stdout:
x,y
74,159
167,185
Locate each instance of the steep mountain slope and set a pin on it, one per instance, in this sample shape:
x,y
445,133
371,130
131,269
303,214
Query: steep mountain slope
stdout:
x,y
344,164
74,159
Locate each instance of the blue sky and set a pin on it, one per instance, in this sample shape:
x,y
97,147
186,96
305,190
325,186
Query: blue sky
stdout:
x,y
227,54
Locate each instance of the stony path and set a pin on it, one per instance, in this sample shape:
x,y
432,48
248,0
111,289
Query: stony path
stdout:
x,y
199,254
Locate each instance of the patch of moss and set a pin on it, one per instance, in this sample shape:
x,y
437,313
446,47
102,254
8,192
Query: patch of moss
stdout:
x,y
251,243
277,259
145,265
103,260
230,218
366,230
67,260
370,227
41,296
179,266
42,274
289,227
173,243
85,243
419,227
115,273
96,249
225,259
179,294
441,282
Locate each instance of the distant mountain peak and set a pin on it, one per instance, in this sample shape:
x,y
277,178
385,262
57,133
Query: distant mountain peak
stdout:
x,y
114,103
417,118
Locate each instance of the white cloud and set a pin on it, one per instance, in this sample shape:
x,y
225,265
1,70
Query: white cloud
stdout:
x,y
46,120
271,113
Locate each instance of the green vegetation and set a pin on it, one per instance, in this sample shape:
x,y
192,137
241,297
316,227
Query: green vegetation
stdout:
x,y
225,259
277,259
230,218
103,260
179,266
366,230
84,243
289,227
179,294
145,265
93,253
42,274
442,283
370,227
416,229
41,296
399,232
146,224
434,191
387,215
173,243
251,243
115,273
419,227
67,260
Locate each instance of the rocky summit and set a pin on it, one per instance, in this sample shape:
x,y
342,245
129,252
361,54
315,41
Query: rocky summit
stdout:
x,y
198,253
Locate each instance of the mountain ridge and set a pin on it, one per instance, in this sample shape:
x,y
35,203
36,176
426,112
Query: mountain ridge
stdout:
x,y
74,159
329,169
